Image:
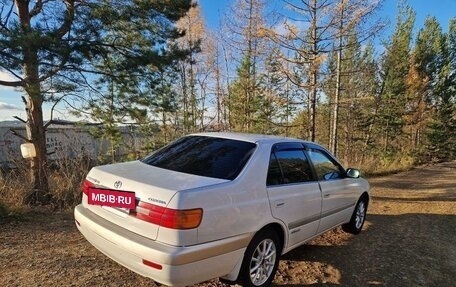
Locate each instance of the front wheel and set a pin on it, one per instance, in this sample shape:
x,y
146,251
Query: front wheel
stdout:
x,y
356,222
261,260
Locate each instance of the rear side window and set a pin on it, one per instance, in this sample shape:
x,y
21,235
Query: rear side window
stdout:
x,y
288,166
204,156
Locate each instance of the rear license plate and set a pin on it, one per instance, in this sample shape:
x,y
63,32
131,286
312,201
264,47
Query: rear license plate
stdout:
x,y
112,198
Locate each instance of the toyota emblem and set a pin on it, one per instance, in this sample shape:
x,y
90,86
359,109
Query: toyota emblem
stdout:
x,y
118,184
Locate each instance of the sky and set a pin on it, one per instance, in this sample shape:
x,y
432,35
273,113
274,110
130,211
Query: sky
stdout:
x,y
12,105
442,9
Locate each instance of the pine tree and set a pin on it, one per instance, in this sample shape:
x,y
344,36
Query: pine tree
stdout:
x,y
243,98
442,96
422,79
276,100
393,97
56,40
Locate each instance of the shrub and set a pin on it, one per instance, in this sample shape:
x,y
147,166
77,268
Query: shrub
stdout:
x,y
65,178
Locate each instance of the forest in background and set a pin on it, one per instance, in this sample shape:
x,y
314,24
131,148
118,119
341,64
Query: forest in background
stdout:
x,y
312,69
316,71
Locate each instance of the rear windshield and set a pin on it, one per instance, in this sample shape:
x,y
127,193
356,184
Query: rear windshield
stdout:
x,y
204,156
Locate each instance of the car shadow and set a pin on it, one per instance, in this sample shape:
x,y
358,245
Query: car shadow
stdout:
x,y
393,250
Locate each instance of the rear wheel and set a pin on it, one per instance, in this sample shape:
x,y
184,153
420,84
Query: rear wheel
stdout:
x,y
260,260
358,217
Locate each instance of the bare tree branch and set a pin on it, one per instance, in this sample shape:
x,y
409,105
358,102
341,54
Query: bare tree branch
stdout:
x,y
4,23
68,19
14,132
11,84
19,119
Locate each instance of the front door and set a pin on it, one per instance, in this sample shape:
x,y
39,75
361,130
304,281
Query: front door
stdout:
x,y
339,193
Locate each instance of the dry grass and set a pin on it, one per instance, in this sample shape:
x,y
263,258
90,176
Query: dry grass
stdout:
x,y
14,184
65,180
386,166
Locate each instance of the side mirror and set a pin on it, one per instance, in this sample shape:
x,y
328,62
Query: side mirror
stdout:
x,y
353,173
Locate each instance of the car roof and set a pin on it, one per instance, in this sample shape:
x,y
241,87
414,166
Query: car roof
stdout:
x,y
254,138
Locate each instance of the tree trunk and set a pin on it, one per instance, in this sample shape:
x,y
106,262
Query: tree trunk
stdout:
x,y
39,194
314,72
35,128
334,133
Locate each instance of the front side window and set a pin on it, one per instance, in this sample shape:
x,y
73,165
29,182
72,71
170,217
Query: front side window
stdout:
x,y
325,167
288,166
204,156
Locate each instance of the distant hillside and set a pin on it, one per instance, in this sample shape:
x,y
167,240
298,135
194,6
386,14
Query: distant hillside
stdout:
x,y
11,124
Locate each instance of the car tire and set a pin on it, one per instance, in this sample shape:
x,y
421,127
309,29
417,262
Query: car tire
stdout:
x,y
261,260
355,225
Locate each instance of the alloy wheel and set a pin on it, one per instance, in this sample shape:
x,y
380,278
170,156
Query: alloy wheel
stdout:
x,y
360,215
262,262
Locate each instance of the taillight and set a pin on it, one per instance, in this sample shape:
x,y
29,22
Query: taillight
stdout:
x,y
85,186
167,217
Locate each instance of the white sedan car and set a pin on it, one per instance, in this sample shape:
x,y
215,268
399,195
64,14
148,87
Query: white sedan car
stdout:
x,y
218,205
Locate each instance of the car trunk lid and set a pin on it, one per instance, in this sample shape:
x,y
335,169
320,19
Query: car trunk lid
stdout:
x,y
150,185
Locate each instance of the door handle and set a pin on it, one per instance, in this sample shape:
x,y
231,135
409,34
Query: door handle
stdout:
x,y
279,203
326,195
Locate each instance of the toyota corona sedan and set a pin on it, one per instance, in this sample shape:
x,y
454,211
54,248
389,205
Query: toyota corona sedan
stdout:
x,y
218,205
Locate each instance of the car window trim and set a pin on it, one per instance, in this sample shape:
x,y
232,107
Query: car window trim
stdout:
x,y
329,156
291,146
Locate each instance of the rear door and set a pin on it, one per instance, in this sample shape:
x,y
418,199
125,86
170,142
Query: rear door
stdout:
x,y
293,192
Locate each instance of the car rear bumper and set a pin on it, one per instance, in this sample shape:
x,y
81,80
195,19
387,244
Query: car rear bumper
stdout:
x,y
179,265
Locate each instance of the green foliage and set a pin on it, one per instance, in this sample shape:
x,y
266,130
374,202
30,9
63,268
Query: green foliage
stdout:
x,y
135,31
393,97
441,136
135,71
57,47
244,98
435,59
277,99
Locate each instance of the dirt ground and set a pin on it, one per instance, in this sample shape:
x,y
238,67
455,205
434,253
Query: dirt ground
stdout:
x,y
409,239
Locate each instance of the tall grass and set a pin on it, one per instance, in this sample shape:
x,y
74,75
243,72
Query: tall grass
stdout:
x,y
384,165
14,186
65,178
